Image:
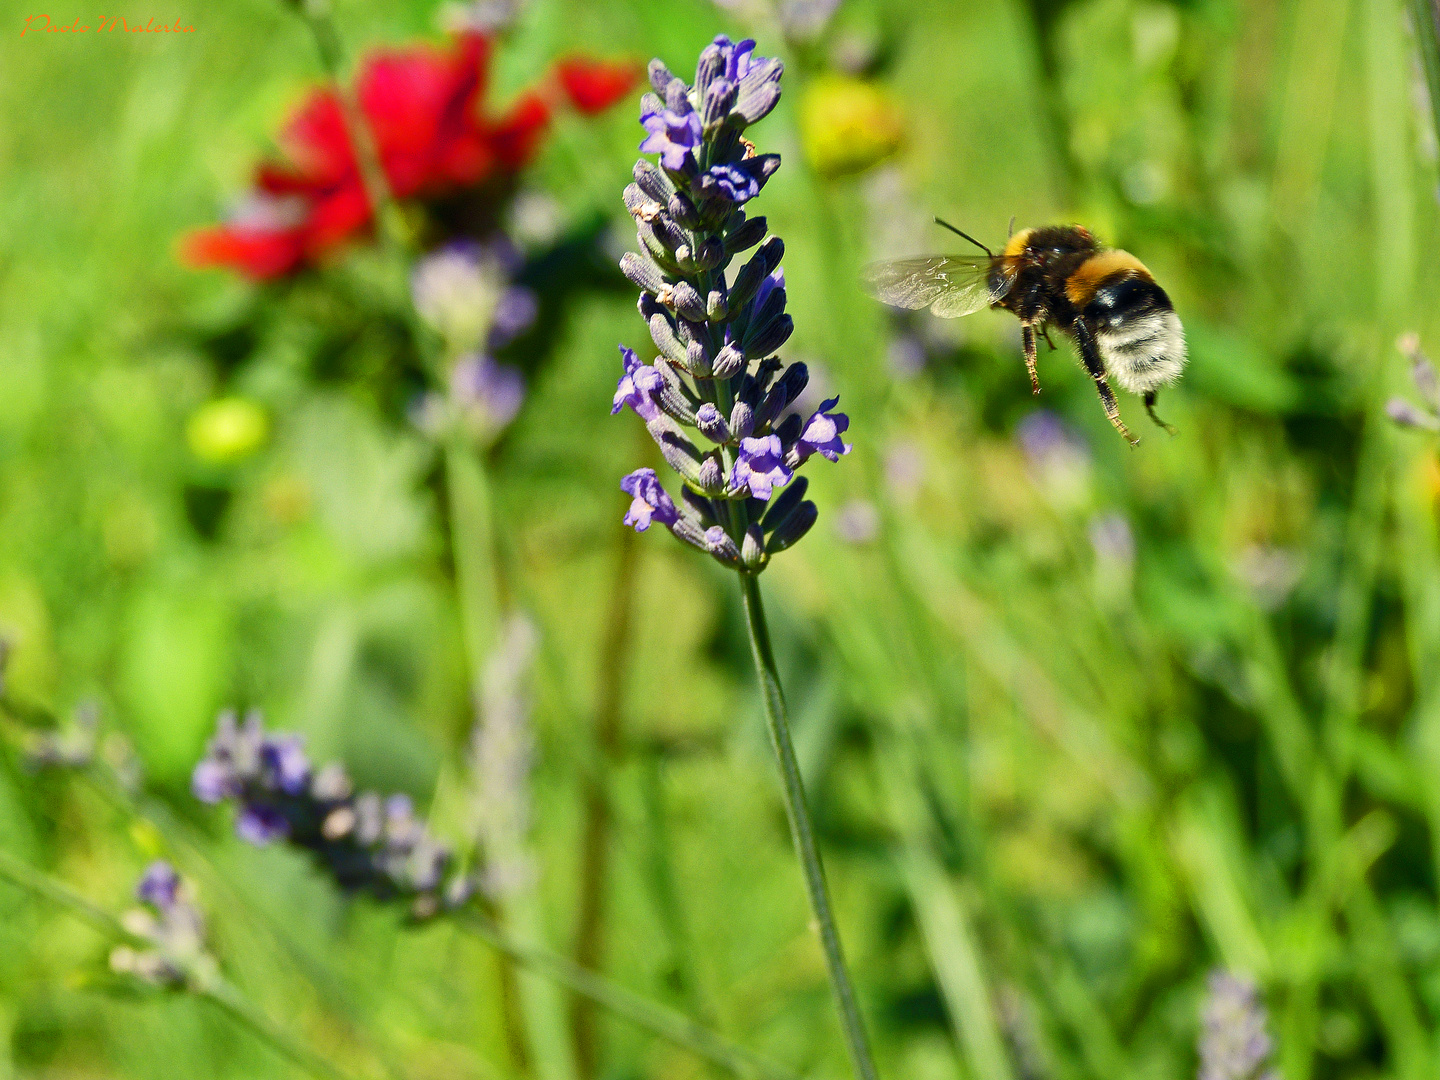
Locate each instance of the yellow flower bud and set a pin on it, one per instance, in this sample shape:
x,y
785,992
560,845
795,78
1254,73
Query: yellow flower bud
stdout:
x,y
227,430
848,124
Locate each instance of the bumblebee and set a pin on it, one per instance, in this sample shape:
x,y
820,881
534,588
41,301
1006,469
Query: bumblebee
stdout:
x,y
1123,323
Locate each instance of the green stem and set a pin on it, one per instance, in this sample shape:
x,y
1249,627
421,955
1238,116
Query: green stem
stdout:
x,y
802,831
478,587
471,544
316,14
239,1008
216,990
668,1024
595,847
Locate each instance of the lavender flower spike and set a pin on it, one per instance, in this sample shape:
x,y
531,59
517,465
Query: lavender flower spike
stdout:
x,y
366,843
1234,1044
716,332
173,926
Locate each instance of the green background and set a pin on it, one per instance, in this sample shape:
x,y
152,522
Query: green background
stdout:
x,y
1054,791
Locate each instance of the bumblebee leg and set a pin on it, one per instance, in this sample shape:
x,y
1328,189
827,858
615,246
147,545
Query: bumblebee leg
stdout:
x,y
1027,339
1045,333
1150,408
1090,356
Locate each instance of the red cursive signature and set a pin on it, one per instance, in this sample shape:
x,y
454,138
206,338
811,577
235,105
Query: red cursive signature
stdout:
x,y
107,25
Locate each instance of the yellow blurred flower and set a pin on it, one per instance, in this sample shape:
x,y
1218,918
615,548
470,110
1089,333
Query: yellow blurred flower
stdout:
x,y
227,430
848,124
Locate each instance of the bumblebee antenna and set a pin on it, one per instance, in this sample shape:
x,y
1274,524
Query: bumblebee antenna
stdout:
x,y
966,235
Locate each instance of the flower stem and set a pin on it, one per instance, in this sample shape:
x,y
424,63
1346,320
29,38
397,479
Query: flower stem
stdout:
x,y
216,990
316,14
595,847
671,1025
802,831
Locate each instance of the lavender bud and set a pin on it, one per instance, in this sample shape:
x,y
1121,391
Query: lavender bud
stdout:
x,y
755,270
742,420
652,182
690,532
718,101
712,477
712,425
745,235
697,360
784,505
710,254
794,527
658,251
642,272
662,332
716,306
683,211
671,235
789,429
759,90
712,63
790,387
641,206
677,98
679,452
672,396
764,342
719,544
728,362
687,301
752,550
660,77
700,504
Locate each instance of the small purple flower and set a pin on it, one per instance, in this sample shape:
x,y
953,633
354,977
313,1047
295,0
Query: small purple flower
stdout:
x,y
213,782
672,135
760,466
651,502
740,59
158,886
636,386
285,764
821,434
772,282
490,391
259,824
735,183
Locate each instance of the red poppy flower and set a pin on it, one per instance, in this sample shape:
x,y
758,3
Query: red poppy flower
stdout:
x,y
423,108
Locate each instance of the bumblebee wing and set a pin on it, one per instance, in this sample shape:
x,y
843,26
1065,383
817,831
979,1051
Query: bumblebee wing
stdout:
x,y
949,285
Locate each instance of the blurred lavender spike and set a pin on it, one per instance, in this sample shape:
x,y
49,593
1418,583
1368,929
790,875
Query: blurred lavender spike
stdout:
x,y
1234,1043
366,843
502,751
170,920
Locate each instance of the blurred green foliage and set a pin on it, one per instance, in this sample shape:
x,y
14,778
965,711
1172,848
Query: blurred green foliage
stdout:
x,y
1056,784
